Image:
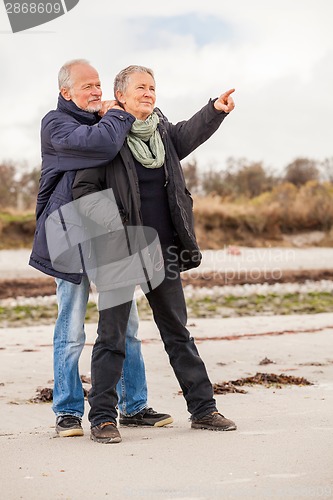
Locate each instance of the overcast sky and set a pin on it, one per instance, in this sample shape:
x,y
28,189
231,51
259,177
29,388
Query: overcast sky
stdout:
x,y
278,54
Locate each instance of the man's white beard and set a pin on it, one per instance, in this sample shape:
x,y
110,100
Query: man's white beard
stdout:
x,y
94,108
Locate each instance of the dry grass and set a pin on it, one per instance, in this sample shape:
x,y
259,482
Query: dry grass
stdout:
x,y
260,221
16,229
265,219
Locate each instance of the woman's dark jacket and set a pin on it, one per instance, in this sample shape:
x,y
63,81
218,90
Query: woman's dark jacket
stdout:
x,y
71,139
179,141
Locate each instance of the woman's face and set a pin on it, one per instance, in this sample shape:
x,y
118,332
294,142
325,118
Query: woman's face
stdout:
x,y
139,97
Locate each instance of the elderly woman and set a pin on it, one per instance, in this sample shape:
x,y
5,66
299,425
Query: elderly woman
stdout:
x,y
149,189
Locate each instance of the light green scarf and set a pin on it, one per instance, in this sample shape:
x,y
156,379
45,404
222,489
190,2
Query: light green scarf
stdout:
x,y
152,156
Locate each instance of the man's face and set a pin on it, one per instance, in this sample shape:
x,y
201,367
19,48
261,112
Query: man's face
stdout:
x,y
139,98
85,91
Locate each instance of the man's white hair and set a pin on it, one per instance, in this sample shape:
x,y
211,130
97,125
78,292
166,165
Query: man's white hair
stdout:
x,y
64,75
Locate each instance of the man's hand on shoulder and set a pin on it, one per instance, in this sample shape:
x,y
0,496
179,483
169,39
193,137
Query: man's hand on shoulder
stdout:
x,y
106,105
225,102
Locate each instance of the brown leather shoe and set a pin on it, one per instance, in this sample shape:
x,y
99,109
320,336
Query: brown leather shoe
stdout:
x,y
106,432
214,422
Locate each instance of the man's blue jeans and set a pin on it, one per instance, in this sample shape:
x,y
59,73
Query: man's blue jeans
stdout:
x,y
68,342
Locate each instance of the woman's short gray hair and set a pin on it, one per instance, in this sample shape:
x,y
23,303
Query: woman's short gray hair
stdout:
x,y
121,79
64,75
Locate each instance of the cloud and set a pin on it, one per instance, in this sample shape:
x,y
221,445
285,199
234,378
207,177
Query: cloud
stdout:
x,y
278,56
198,29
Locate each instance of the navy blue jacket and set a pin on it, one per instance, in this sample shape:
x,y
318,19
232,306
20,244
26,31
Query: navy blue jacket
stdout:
x,y
71,140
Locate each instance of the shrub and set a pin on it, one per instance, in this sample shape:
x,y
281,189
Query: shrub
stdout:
x,y
301,170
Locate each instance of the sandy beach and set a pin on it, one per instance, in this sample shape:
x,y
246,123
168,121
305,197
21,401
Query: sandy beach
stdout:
x,y
14,263
283,447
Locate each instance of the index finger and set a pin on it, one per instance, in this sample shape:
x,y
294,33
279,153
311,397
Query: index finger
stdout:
x,y
226,94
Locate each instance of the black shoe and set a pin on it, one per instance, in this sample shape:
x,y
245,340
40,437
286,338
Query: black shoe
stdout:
x,y
147,416
106,433
68,426
214,422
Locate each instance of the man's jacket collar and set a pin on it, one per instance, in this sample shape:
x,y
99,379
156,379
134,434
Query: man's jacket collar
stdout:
x,y
82,116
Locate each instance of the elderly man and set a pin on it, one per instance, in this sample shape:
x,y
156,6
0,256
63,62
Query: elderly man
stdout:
x,y
148,185
75,137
